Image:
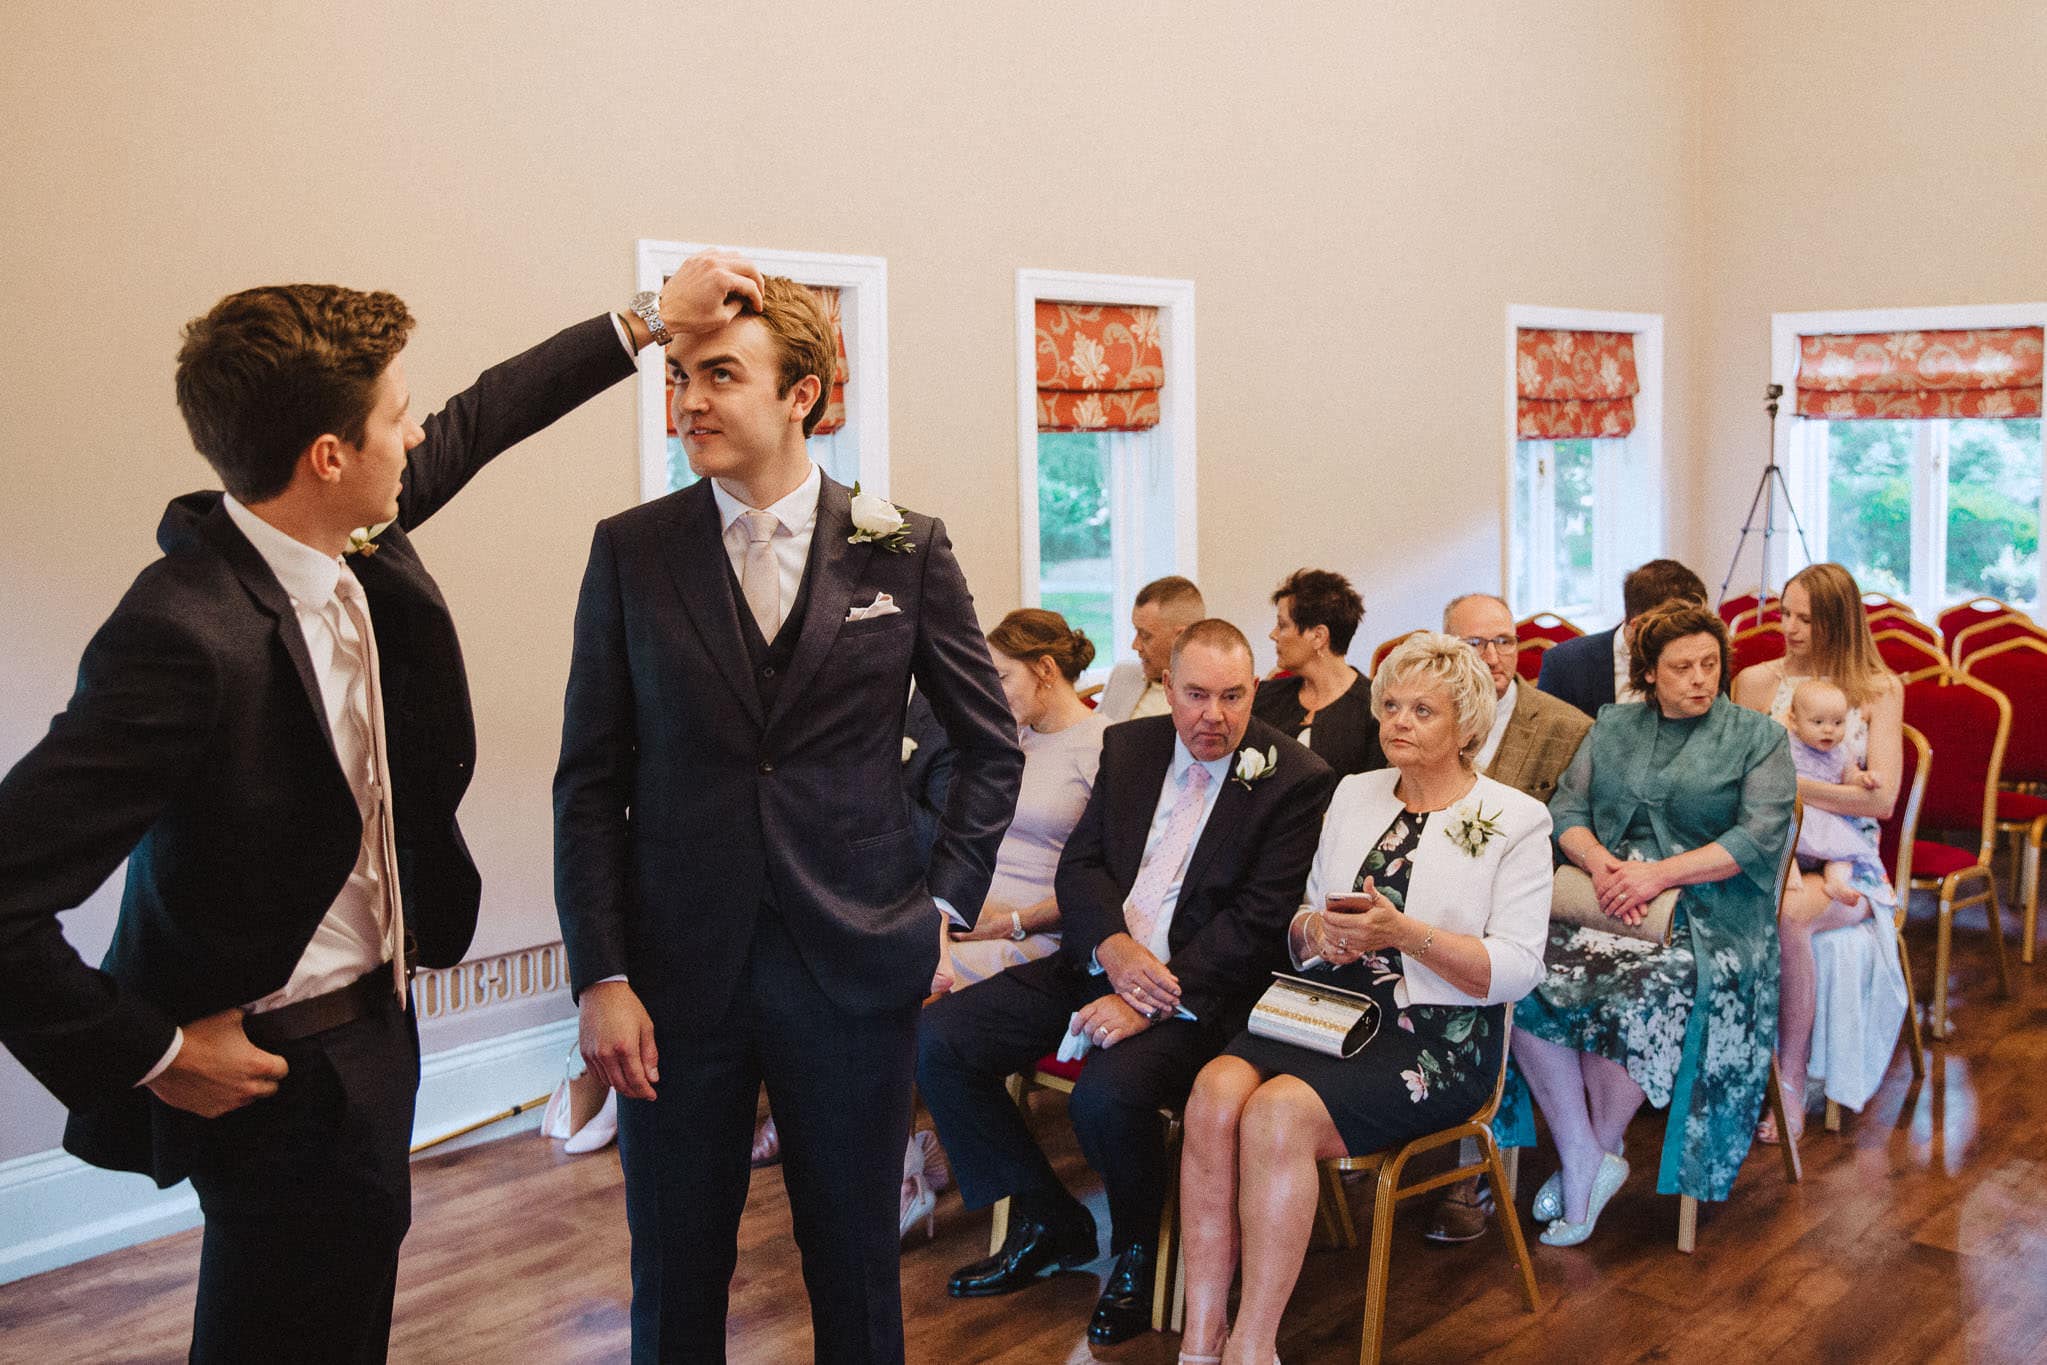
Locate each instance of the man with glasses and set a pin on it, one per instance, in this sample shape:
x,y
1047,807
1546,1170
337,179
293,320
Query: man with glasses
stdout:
x,y
1533,739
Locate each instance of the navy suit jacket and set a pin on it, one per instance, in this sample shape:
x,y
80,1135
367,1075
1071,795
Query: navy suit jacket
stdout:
x,y
196,747
1580,672
683,802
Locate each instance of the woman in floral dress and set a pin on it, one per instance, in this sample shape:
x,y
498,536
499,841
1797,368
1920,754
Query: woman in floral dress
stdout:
x,y
1683,790
1430,893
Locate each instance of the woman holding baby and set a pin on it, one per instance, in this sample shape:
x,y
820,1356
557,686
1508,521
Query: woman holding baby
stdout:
x,y
1842,997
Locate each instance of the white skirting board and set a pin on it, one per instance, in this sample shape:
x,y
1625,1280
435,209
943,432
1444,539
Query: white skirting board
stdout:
x,y
56,1210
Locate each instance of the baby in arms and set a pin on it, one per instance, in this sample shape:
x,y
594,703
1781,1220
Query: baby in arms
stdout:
x,y
1818,721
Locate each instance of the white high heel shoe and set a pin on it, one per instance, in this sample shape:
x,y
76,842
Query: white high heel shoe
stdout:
x,y
599,1131
1606,1182
919,1205
1549,1196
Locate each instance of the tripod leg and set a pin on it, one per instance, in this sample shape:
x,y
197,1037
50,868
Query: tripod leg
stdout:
x,y
1747,524
1792,508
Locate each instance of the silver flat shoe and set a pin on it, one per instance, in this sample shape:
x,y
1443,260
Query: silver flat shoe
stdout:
x,y
1606,1182
1549,1196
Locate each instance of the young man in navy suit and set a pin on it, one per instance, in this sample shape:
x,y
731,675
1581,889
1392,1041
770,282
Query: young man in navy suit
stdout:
x,y
1592,670
742,894
273,729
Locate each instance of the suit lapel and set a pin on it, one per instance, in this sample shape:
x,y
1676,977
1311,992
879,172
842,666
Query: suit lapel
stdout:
x,y
695,546
1152,764
831,575
1223,823
1516,744
248,565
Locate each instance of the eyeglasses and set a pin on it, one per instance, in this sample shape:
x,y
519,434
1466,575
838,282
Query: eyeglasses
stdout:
x,y
1501,643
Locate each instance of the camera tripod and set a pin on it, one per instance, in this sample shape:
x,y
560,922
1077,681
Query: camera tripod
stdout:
x,y
1771,483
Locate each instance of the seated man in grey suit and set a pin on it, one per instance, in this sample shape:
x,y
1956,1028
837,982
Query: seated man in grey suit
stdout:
x,y
1592,670
1164,608
1533,739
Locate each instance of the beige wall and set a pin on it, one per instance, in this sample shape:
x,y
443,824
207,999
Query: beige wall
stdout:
x,y
1867,155
1358,191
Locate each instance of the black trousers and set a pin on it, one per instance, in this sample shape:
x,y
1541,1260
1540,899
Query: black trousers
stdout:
x,y
971,1040
839,1086
307,1195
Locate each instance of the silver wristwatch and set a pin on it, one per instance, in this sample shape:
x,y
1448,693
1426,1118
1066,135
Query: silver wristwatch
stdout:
x,y
647,304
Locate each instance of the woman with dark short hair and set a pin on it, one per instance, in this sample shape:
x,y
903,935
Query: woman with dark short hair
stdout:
x,y
1320,702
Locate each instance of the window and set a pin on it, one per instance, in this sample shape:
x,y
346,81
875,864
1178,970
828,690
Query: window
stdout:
x,y
1583,508
855,291
1105,511
1933,510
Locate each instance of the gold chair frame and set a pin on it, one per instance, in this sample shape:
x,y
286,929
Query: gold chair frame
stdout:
x,y
2027,835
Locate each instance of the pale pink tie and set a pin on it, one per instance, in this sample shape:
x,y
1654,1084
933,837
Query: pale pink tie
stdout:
x,y
1162,867
760,580
378,830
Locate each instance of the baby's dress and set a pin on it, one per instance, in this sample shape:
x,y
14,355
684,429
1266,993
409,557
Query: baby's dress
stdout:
x,y
1826,837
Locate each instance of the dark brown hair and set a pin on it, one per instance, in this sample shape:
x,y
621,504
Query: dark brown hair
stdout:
x,y
804,344
1660,627
1656,582
1322,598
1033,633
268,371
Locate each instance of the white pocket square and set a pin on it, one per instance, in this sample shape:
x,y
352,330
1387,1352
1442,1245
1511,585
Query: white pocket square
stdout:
x,y
882,605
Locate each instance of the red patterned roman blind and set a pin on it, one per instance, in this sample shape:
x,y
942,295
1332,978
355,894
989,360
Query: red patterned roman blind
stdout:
x,y
1100,367
1570,385
835,411
1985,372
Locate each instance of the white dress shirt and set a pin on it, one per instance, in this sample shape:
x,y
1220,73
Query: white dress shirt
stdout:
x,y
795,523
1623,690
350,939
1169,792
1503,712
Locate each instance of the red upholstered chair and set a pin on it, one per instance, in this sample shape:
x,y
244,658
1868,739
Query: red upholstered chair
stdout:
x,y
1387,647
1880,601
1528,659
1755,647
1972,639
1745,602
1905,623
1968,613
1968,726
1052,1074
2018,669
1757,618
1905,653
1545,625
1091,696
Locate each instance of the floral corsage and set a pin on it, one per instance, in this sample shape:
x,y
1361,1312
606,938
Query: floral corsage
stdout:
x,y
1253,766
363,539
878,520
1471,829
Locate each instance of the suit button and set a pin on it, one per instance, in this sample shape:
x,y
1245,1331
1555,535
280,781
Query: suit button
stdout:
x,y
767,670
766,766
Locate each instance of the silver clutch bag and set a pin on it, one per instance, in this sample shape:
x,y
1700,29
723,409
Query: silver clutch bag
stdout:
x,y
1316,1016
1573,901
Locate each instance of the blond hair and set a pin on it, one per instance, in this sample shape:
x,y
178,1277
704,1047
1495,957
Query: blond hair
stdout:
x,y
1841,648
804,343
1432,658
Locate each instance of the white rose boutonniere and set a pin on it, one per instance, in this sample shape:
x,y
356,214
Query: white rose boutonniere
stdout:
x,y
1253,766
363,539
909,747
1471,829
877,519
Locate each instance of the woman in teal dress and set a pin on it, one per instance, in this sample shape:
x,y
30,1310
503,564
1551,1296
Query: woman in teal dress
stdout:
x,y
1683,790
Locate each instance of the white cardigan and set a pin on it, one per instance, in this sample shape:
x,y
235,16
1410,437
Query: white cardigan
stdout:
x,y
1502,895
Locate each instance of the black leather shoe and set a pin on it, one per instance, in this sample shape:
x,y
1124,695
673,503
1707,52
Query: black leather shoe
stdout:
x,y
1030,1249
1124,1310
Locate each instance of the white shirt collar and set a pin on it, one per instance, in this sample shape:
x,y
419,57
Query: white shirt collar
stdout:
x,y
796,512
1183,759
306,575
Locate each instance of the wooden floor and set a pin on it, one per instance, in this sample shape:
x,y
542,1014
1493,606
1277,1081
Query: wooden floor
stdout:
x,y
1920,1234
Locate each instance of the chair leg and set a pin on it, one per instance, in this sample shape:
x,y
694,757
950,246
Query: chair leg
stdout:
x,y
1687,1223
1787,1138
1509,1220
1995,916
1512,1158
1943,937
1833,1117
1377,1271
1918,1043
998,1226
1168,1258
1345,1230
2029,888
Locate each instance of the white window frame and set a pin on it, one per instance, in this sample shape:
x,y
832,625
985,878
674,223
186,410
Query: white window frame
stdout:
x,y
1136,506
1801,442
862,282
1645,444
